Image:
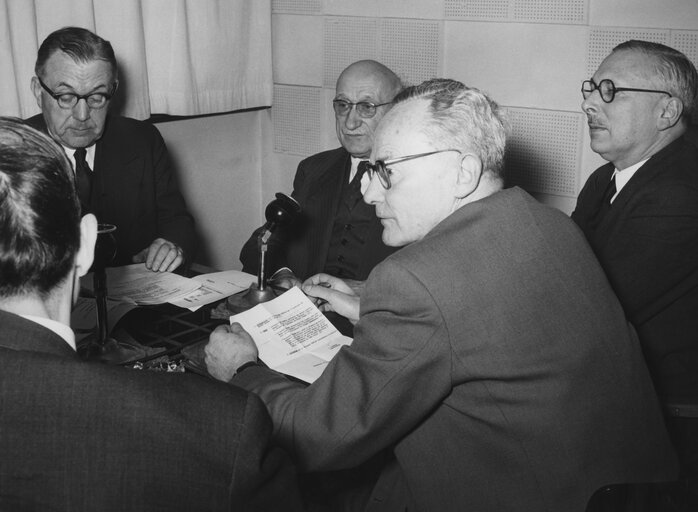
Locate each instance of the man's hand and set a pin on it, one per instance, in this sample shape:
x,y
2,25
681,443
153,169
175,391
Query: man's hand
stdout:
x,y
340,297
228,348
160,256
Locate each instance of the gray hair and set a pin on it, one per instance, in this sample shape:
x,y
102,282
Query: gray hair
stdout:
x,y
676,72
465,117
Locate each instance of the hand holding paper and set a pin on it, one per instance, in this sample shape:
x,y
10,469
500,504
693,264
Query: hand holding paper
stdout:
x,y
338,295
229,347
290,333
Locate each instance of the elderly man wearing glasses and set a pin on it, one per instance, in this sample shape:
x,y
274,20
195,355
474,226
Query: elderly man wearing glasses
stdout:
x,y
338,233
491,358
640,215
122,168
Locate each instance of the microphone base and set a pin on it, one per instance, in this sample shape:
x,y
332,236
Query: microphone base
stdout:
x,y
242,301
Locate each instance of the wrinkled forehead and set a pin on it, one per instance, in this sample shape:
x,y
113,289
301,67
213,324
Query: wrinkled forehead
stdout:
x,y
401,127
624,65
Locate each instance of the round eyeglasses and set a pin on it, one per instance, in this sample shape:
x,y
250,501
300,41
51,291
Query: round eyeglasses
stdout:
x,y
365,109
380,167
68,100
608,90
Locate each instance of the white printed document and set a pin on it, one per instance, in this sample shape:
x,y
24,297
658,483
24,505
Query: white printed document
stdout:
x,y
215,286
135,283
292,335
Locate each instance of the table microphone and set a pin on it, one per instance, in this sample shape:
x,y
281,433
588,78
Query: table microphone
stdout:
x,y
282,211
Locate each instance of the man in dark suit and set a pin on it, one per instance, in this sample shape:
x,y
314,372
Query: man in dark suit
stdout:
x,y
640,215
77,436
122,167
490,353
337,233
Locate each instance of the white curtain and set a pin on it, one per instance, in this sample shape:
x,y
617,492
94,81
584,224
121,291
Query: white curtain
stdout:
x,y
176,57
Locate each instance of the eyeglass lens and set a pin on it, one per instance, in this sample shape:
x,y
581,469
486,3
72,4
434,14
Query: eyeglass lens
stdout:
x,y
363,108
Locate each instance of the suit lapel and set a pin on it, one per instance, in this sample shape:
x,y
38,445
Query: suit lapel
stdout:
x,y
327,190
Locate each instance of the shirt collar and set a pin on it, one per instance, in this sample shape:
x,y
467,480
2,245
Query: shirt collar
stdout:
x,y
623,176
60,329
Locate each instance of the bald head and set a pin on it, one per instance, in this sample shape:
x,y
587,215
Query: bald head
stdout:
x,y
363,81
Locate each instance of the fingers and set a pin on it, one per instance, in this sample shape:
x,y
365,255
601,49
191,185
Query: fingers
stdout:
x,y
161,256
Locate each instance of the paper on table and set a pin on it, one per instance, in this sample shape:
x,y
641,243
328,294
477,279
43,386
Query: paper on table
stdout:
x,y
135,283
215,286
83,318
292,335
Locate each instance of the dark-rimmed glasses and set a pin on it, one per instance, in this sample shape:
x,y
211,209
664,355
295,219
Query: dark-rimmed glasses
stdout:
x,y
608,90
365,109
381,166
68,100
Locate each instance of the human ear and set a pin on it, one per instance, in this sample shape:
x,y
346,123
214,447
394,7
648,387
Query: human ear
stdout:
x,y
670,113
88,238
36,90
469,175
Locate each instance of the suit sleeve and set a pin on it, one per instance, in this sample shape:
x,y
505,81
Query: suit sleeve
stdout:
x,y
175,223
371,394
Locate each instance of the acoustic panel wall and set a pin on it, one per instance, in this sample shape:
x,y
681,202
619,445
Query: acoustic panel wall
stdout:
x,y
348,40
603,40
297,6
411,48
533,11
543,150
296,116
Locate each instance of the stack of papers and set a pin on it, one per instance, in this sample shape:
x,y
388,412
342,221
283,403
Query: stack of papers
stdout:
x,y
137,285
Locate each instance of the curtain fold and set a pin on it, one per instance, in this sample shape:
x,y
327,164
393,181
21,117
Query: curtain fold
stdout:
x,y
176,57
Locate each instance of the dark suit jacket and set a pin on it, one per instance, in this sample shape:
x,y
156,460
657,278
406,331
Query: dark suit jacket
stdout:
x,y
78,436
317,187
135,189
648,245
496,360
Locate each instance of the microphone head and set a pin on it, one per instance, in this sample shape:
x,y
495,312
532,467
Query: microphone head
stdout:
x,y
281,211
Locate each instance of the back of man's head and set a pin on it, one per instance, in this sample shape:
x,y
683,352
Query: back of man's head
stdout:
x,y
39,212
464,118
672,72
79,43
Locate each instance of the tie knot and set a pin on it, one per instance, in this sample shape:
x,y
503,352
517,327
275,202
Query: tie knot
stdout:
x,y
80,154
362,168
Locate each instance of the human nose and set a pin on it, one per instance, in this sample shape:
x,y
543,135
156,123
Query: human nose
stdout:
x,y
81,111
589,104
353,119
374,192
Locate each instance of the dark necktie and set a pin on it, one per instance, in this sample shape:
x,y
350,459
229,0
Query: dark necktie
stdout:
x,y
605,203
354,192
83,178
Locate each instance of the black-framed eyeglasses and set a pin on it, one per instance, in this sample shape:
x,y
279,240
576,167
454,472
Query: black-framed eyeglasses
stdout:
x,y
365,109
67,100
608,90
380,167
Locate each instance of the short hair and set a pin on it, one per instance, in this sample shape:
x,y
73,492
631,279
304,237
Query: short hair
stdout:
x,y
676,72
79,43
465,117
39,212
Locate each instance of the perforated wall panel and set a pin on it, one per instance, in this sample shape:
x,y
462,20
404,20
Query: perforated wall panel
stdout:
x,y
477,9
348,40
411,48
297,6
551,11
408,47
536,11
296,118
544,150
603,40
686,41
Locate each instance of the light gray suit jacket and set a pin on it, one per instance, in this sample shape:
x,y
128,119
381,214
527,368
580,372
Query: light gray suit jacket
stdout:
x,y
495,359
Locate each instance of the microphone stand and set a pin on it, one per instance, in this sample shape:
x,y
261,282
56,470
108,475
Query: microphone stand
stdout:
x,y
281,211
